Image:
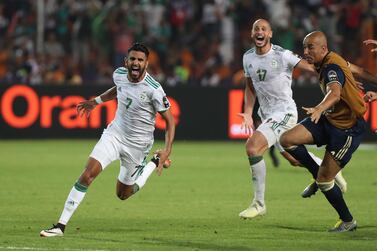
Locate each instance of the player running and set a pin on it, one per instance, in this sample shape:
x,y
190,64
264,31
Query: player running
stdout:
x,y
268,70
128,138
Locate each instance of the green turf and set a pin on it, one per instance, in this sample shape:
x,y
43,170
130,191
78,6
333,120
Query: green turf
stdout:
x,y
192,206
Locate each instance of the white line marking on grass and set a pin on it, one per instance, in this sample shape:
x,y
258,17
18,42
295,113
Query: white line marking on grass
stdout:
x,y
35,248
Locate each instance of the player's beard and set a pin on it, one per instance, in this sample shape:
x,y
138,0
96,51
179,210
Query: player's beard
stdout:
x,y
136,75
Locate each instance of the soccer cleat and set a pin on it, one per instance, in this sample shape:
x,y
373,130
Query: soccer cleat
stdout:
x,y
52,232
310,190
341,182
156,159
254,210
342,226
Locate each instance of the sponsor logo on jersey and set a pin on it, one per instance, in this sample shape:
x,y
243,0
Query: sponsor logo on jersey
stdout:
x,y
332,76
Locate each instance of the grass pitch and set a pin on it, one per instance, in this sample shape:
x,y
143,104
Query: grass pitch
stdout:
x,y
194,205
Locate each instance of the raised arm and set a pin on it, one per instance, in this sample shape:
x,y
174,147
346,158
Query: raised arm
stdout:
x,y
86,106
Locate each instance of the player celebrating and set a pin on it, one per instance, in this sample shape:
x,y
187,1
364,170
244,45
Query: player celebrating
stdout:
x,y
128,138
337,122
268,70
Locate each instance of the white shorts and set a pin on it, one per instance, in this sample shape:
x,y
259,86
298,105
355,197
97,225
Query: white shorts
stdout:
x,y
132,161
272,128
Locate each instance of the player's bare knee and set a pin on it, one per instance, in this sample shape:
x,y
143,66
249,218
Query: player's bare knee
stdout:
x,y
125,193
285,142
252,151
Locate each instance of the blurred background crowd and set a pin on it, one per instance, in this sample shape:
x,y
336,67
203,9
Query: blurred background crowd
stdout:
x,y
192,42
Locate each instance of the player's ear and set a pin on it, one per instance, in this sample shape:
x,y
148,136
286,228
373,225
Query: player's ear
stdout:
x,y
271,33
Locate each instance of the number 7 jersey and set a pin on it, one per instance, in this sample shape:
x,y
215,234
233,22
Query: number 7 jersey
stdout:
x,y
271,74
138,103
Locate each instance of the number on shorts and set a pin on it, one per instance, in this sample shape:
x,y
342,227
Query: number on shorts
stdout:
x,y
138,170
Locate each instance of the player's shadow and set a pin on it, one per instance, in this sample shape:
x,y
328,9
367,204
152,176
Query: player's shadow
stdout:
x,y
369,231
194,245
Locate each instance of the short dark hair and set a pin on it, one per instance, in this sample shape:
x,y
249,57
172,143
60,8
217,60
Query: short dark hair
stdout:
x,y
139,47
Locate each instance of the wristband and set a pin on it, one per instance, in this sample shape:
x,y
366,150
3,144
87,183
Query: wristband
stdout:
x,y
98,99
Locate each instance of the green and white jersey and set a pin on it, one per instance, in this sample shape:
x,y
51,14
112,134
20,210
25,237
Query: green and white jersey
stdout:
x,y
271,74
138,103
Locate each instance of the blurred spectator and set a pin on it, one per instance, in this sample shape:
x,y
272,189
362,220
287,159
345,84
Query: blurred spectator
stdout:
x,y
192,42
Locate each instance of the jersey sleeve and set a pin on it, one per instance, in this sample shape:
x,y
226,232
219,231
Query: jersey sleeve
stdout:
x,y
333,73
246,73
160,101
290,58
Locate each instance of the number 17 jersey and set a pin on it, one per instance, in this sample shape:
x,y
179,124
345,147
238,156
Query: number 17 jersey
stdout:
x,y
271,74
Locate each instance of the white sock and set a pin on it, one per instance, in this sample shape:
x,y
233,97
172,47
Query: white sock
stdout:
x,y
258,174
147,171
73,201
315,158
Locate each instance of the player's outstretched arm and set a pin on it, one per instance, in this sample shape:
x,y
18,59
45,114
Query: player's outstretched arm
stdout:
x,y
169,138
249,103
305,66
362,74
86,106
373,42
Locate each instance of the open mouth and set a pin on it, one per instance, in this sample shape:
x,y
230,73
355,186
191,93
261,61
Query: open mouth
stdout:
x,y
259,39
135,70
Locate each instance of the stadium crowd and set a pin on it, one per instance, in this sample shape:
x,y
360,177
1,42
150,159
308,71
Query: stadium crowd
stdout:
x,y
192,42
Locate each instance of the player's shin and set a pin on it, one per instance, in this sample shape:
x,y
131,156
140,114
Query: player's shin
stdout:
x,y
334,195
147,171
258,173
302,155
74,199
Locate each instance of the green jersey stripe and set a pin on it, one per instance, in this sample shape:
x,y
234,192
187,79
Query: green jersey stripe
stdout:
x,y
153,81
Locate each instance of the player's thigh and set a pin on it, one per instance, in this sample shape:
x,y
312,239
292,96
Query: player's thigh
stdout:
x,y
132,162
298,135
344,142
106,150
272,128
328,169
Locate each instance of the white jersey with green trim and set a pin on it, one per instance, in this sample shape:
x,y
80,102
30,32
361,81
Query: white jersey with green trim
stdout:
x,y
138,103
271,74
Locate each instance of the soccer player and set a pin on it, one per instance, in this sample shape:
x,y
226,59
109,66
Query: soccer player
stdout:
x,y
337,122
268,70
129,137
